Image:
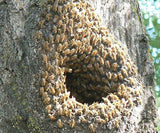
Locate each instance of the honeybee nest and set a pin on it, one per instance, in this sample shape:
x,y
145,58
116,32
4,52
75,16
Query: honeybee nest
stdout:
x,y
87,76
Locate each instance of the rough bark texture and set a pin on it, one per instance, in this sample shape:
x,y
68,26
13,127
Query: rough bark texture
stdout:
x,y
21,108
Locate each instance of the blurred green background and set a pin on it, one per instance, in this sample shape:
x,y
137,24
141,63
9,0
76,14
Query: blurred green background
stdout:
x,y
151,15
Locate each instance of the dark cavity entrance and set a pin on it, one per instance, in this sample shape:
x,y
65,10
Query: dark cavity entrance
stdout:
x,y
83,88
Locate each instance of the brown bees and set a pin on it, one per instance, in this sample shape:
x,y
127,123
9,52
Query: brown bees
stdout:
x,y
58,38
52,90
59,123
48,108
114,66
120,76
87,77
51,116
109,75
51,39
72,123
43,82
94,53
107,64
101,61
48,16
91,127
39,34
117,123
41,23
124,72
41,90
60,23
55,30
60,48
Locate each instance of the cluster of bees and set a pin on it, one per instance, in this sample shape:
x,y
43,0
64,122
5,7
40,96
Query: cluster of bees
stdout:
x,y
87,76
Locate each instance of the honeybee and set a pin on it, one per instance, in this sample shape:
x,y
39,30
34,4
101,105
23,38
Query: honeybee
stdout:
x,y
60,9
89,49
77,70
43,81
55,30
72,51
48,66
91,127
45,74
123,86
48,108
139,100
74,57
134,70
79,111
65,8
48,16
120,76
51,116
60,47
104,54
115,77
102,121
128,65
39,34
107,64
130,103
59,123
46,100
82,57
102,72
43,13
71,22
90,67
83,119
138,92
41,23
114,66
41,90
84,68
109,75
69,70
63,37
51,38
131,81
46,46
52,90
66,52
101,61
55,6
60,23
124,72
114,56
60,111
97,66
104,80
70,30
127,112
64,27
94,41
87,58
51,77
117,123
58,38
72,123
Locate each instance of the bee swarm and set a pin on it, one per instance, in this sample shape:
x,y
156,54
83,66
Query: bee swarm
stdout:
x,y
87,76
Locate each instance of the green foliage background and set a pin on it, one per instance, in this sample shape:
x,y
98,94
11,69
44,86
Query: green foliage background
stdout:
x,y
151,15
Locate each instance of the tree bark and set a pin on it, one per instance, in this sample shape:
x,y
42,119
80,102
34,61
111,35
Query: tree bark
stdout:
x,y
21,106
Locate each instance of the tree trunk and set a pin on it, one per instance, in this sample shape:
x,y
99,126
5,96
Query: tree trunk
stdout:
x,y
22,108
